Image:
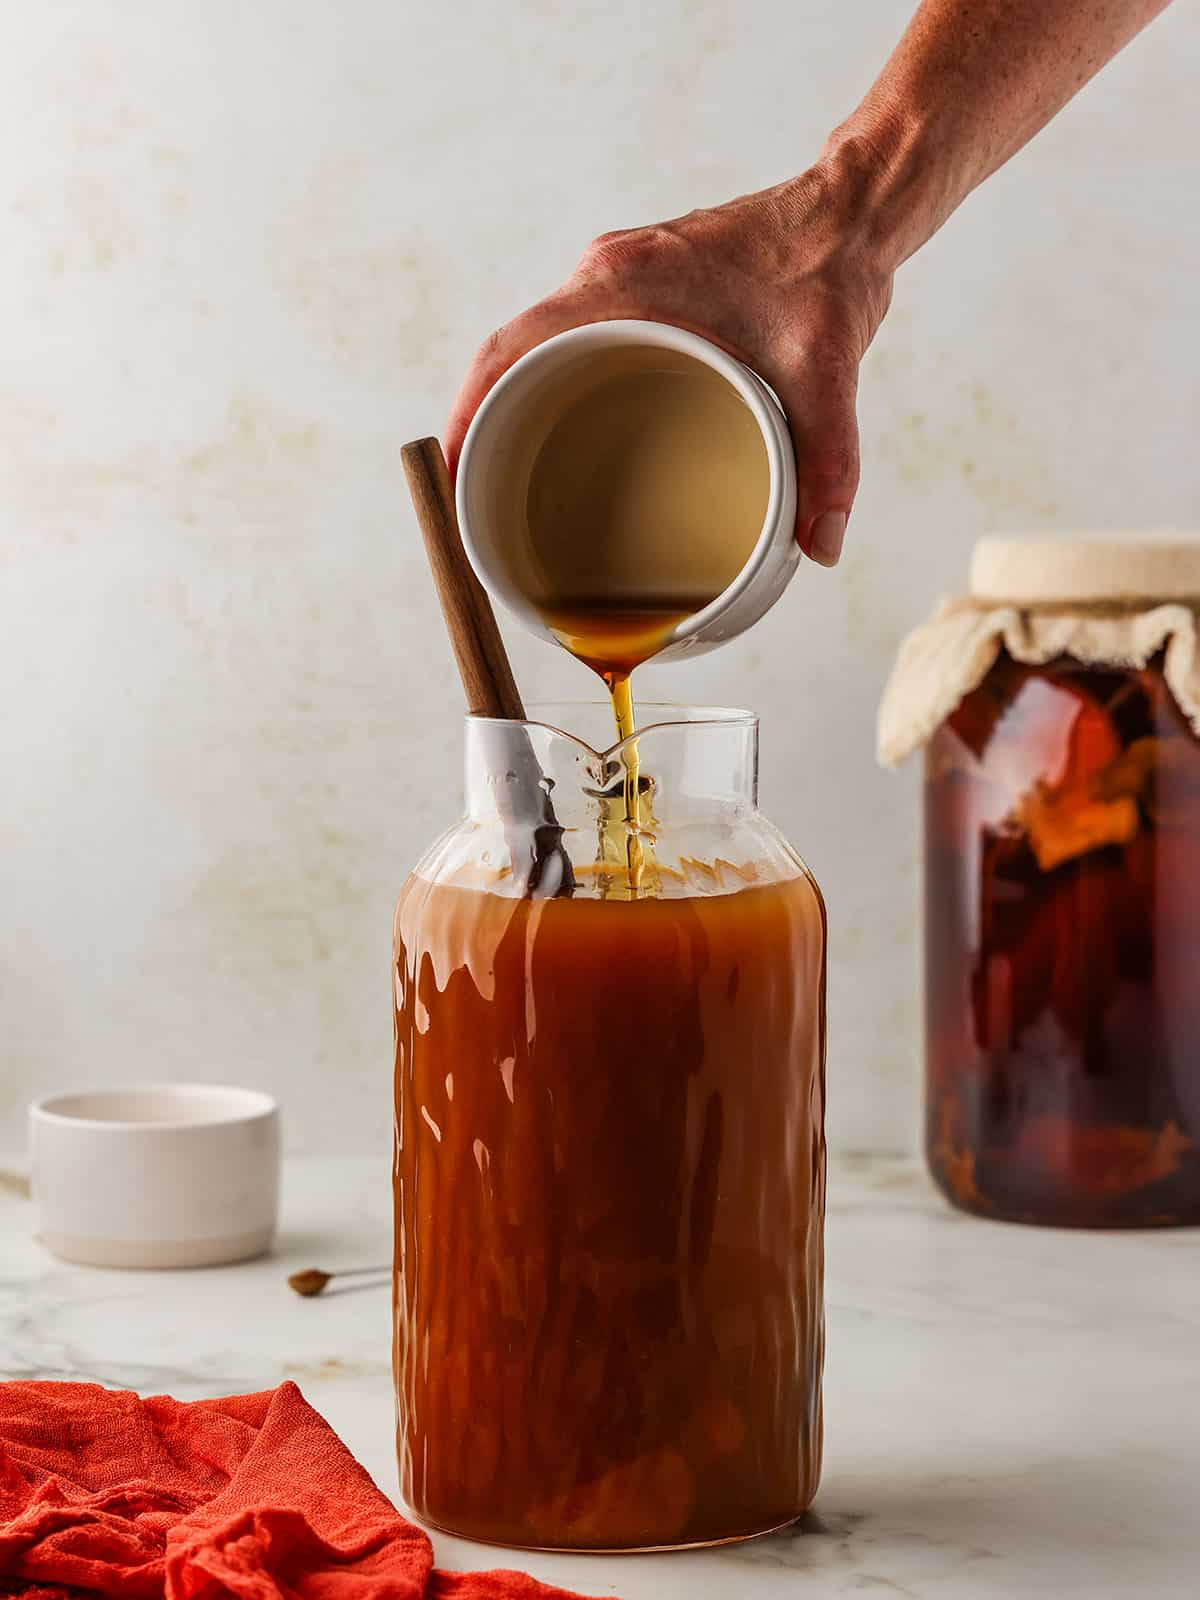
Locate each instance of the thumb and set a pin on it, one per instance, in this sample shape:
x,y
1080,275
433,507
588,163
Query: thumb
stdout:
x,y
819,399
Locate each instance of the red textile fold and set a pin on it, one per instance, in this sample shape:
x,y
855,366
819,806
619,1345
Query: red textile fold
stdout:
x,y
249,1498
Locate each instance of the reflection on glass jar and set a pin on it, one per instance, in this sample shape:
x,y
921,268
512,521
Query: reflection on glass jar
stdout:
x,y
610,1159
1062,882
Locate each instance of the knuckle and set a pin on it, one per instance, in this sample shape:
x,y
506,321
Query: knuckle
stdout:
x,y
627,250
490,348
607,241
603,255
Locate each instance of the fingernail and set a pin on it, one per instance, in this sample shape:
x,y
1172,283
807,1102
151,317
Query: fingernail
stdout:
x,y
828,531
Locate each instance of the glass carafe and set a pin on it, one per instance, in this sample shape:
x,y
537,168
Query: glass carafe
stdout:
x,y
610,1159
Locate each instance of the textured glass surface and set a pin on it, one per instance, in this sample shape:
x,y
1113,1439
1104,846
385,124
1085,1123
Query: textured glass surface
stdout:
x,y
610,1176
1062,873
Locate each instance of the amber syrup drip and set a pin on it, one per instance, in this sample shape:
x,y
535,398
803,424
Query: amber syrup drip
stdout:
x,y
613,637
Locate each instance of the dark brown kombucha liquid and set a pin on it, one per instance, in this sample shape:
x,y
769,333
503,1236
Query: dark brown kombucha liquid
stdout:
x,y
609,1185
1062,875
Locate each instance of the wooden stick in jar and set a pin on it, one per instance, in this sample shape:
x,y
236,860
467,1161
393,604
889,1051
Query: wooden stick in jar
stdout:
x,y
483,663
540,859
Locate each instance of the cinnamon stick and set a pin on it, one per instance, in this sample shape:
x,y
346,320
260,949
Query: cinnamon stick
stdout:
x,y
539,859
483,663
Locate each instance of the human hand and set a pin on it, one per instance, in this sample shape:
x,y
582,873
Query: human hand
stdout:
x,y
785,280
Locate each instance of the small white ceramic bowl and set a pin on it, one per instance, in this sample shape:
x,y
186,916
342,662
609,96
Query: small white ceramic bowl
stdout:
x,y
156,1175
486,465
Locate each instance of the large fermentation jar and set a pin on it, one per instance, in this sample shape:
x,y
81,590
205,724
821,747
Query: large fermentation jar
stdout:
x,y
609,1163
1062,881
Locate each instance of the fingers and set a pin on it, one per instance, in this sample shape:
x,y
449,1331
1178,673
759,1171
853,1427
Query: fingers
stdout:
x,y
819,398
569,308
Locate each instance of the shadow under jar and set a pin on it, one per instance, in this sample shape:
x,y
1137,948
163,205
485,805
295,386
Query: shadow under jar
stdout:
x,y
1062,947
609,1168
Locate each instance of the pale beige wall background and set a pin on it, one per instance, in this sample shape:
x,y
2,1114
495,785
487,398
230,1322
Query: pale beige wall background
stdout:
x,y
246,251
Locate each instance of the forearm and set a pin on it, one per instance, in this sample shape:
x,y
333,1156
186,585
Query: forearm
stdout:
x,y
795,280
970,82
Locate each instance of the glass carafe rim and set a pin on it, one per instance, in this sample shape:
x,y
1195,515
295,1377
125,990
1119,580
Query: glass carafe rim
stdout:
x,y
687,716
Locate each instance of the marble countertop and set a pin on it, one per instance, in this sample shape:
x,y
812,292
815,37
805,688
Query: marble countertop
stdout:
x,y
1009,1411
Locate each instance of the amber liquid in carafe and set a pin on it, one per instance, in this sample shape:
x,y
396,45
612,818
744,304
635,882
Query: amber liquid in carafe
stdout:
x,y
610,1182
646,495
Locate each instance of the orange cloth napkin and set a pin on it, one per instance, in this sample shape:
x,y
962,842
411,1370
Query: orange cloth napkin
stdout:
x,y
249,1498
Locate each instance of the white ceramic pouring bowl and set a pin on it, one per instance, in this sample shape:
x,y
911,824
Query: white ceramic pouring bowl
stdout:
x,y
155,1175
485,459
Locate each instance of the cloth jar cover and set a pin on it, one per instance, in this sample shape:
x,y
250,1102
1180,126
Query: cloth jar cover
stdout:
x,y
1100,601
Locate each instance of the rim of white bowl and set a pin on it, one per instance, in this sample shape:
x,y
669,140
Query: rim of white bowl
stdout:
x,y
200,1105
759,399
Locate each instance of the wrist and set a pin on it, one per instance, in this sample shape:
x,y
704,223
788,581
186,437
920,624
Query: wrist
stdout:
x,y
880,187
